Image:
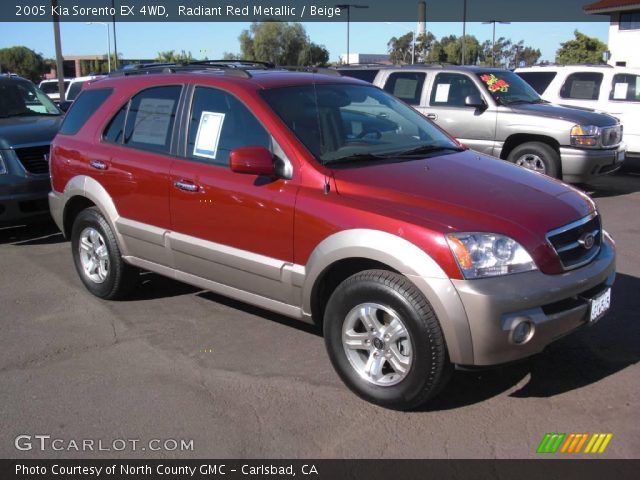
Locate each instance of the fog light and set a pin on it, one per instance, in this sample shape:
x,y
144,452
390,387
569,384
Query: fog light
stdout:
x,y
522,333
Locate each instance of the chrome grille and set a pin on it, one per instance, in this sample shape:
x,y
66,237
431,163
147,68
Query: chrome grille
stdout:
x,y
611,136
34,159
577,243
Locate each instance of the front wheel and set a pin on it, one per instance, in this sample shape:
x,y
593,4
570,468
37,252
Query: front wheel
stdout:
x,y
385,341
536,156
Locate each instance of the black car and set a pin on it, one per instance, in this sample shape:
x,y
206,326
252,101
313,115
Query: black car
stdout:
x,y
28,122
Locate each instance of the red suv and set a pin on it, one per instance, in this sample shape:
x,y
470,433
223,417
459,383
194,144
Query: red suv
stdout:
x,y
328,200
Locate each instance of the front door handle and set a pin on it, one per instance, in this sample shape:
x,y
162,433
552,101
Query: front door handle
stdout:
x,y
187,186
432,116
98,164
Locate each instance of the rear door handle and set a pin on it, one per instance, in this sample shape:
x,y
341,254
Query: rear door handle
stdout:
x,y
432,116
98,164
187,186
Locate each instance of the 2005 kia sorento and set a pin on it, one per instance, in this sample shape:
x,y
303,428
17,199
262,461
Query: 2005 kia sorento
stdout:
x,y
279,189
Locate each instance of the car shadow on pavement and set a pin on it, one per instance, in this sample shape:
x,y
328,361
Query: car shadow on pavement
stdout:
x,y
260,312
575,361
153,286
42,233
624,182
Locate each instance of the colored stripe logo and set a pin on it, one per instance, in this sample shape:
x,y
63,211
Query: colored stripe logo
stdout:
x,y
574,443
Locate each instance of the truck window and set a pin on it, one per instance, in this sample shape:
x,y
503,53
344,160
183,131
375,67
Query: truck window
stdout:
x,y
582,86
538,80
625,88
451,90
368,75
406,86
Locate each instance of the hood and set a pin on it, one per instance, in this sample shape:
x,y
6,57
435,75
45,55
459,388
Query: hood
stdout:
x,y
579,116
469,192
16,131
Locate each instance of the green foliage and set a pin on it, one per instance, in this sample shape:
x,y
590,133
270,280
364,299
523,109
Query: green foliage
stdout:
x,y
23,61
582,49
281,43
400,48
170,56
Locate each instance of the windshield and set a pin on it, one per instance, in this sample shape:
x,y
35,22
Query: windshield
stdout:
x,y
19,97
507,88
52,87
342,124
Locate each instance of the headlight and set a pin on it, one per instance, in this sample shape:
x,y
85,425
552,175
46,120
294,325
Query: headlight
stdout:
x,y
585,136
3,166
488,255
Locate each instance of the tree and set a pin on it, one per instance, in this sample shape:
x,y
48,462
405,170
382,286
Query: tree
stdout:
x,y
400,48
23,61
582,49
528,55
170,56
281,43
231,56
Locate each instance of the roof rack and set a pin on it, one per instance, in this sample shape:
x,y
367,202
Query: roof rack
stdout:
x,y
320,70
154,68
254,64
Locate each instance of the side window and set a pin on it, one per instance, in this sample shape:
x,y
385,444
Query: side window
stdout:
x,y
451,90
151,117
630,20
218,123
82,109
538,80
74,90
625,88
582,86
368,75
406,86
114,133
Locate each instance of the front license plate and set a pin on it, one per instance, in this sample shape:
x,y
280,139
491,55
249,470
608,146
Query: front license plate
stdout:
x,y
600,305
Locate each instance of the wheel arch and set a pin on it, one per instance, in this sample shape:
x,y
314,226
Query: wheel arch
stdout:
x,y
348,252
517,139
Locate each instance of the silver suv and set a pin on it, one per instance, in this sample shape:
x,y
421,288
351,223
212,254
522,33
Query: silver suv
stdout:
x,y
495,112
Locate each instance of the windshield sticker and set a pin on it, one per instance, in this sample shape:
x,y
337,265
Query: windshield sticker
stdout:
x,y
495,84
620,91
442,92
153,121
208,135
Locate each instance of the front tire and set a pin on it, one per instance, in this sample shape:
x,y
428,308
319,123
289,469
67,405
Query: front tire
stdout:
x,y
385,341
98,259
536,156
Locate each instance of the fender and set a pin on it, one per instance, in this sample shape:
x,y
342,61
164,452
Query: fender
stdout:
x,y
409,260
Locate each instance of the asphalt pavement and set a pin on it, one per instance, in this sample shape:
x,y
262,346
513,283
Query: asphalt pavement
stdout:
x,y
175,364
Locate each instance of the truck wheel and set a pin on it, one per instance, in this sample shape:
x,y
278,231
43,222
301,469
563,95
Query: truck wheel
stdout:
x,y
385,341
97,257
536,156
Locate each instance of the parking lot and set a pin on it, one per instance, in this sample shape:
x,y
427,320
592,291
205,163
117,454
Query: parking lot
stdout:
x,y
174,362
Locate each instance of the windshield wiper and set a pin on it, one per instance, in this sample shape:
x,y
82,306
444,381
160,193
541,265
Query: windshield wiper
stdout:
x,y
359,157
424,149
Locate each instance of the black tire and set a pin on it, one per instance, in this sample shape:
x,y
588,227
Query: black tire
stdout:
x,y
121,278
429,369
549,156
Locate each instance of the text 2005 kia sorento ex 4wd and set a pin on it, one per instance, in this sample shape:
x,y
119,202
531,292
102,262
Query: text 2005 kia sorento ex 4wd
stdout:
x,y
279,189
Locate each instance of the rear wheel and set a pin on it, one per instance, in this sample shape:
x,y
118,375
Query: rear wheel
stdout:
x,y
97,257
385,341
536,156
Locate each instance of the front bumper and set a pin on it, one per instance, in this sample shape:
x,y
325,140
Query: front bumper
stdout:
x,y
24,201
580,165
552,303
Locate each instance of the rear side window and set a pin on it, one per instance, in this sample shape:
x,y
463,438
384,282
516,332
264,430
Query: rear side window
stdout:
x,y
538,80
625,88
74,90
406,86
367,75
150,120
82,109
114,133
582,86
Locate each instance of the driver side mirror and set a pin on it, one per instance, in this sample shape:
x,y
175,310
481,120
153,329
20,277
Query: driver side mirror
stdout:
x,y
252,161
474,101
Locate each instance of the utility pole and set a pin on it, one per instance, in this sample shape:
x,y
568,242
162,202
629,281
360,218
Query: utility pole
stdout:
x,y
58,47
493,44
464,32
348,7
115,43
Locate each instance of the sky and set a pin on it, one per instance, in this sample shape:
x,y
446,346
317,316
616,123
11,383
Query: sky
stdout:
x,y
145,40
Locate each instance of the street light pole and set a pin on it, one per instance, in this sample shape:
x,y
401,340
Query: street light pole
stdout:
x,y
493,44
115,43
348,7
58,47
464,33
108,41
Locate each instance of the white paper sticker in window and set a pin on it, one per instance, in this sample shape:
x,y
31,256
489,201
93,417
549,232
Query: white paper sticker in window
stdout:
x,y
208,135
442,92
152,121
583,90
620,91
